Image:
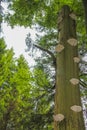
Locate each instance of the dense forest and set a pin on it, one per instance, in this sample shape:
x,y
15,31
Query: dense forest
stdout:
x,y
52,94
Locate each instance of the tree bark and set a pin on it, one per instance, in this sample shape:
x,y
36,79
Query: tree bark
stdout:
x,y
67,94
85,11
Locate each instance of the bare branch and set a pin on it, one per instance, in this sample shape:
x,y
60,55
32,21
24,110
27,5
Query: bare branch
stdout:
x,y
83,74
83,84
47,51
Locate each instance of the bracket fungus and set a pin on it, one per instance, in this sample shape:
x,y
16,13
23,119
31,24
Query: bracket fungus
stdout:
x,y
59,48
72,41
73,16
76,59
58,117
74,81
76,108
60,18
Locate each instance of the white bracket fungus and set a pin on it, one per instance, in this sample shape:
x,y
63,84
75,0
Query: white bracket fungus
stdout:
x,y
74,81
76,59
58,117
60,19
72,41
76,108
73,16
59,48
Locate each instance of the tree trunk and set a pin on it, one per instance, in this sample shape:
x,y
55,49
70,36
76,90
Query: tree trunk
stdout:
x,y
85,11
68,110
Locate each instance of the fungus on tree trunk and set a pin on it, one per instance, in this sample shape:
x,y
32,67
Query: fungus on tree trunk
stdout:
x,y
59,48
58,117
72,41
76,59
60,19
74,81
73,16
76,108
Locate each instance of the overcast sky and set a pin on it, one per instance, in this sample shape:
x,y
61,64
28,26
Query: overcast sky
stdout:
x,y
16,38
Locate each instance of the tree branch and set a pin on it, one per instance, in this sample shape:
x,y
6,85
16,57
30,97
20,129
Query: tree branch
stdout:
x,y
47,51
83,84
83,74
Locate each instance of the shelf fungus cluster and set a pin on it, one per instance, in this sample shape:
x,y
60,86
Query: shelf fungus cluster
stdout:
x,y
74,81
76,59
76,108
58,117
59,48
72,41
73,16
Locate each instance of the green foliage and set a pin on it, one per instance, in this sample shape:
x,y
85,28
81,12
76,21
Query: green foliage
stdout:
x,y
29,96
15,85
25,98
42,94
26,13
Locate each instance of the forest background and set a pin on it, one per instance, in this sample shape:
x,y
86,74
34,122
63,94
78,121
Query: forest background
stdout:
x,y
27,93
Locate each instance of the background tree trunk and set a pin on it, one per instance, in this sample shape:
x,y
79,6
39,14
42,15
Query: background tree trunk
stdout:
x,y
85,11
67,94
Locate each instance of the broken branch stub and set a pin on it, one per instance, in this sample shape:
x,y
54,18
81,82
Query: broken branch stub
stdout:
x,y
76,108
72,41
59,48
74,81
58,117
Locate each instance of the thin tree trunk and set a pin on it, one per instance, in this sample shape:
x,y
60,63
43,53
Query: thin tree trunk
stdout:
x,y
67,95
85,11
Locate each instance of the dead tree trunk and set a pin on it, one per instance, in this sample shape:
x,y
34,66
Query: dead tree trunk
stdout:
x,y
68,110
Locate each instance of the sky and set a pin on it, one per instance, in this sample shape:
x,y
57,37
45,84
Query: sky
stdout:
x,y
16,38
